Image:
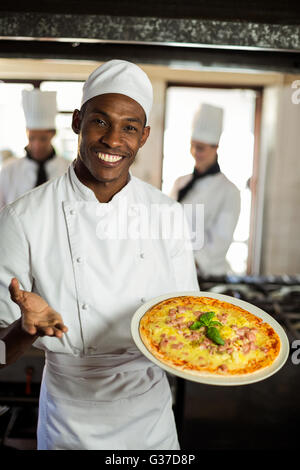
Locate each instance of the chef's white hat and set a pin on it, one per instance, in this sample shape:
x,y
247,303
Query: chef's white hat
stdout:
x,y
208,124
120,76
39,108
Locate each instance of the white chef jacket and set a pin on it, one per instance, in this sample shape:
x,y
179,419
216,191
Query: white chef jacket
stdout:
x,y
98,391
221,200
19,176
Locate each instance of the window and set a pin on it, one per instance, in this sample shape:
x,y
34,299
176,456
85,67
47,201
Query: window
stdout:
x,y
13,129
68,98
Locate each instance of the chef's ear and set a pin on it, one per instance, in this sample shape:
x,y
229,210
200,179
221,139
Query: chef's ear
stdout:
x,y
76,121
145,135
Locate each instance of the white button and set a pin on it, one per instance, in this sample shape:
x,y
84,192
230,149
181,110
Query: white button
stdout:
x,y
142,255
85,306
79,259
143,299
72,212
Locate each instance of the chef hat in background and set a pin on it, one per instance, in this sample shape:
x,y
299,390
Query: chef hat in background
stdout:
x,y
39,108
208,124
120,76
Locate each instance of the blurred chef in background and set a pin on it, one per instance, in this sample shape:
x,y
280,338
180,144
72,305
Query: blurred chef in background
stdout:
x,y
207,185
40,162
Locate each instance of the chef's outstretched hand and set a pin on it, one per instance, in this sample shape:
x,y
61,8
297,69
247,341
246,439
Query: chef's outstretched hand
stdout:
x,y
38,318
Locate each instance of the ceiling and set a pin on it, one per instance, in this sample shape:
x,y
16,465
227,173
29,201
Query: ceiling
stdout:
x,y
194,33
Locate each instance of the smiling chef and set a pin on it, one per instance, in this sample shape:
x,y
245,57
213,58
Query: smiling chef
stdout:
x,y
77,289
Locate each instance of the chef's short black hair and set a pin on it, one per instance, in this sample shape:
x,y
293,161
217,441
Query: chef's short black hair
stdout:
x,y
83,108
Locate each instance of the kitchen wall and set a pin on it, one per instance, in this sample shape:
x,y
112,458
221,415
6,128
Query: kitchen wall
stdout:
x,y
281,158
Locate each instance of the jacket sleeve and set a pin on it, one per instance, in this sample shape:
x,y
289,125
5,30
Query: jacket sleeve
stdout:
x,y
218,237
182,256
14,256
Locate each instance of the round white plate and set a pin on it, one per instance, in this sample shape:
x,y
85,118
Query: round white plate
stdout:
x,y
207,378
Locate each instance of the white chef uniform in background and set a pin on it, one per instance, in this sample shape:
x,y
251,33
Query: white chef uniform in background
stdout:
x,y
20,174
6,156
220,197
98,391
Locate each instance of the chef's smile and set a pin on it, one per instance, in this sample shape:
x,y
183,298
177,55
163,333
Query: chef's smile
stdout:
x,y
112,160
109,160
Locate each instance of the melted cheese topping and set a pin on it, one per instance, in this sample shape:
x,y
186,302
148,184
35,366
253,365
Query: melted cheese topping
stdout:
x,y
169,337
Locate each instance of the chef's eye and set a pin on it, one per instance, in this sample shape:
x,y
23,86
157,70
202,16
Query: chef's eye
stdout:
x,y
100,122
131,128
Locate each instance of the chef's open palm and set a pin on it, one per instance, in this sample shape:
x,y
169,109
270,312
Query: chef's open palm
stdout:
x,y
38,318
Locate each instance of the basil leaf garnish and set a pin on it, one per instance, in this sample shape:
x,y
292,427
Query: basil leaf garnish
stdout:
x,y
211,332
196,325
215,323
214,334
206,318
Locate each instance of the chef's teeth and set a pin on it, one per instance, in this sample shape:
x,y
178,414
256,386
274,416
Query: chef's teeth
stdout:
x,y
109,158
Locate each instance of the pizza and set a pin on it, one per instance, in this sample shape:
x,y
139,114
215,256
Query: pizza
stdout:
x,y
203,336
